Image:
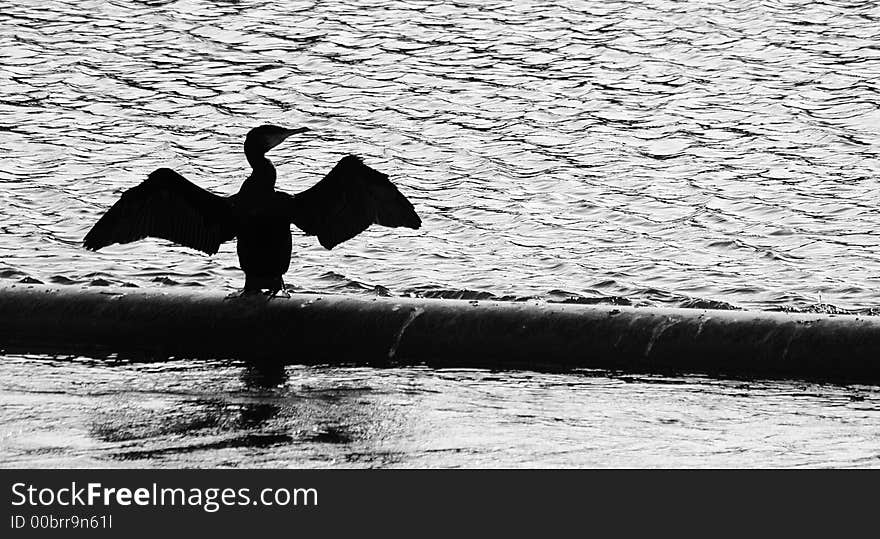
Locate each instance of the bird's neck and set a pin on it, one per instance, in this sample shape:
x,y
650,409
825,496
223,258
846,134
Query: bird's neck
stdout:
x,y
263,176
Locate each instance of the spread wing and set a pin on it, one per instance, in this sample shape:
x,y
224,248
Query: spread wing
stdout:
x,y
166,205
347,201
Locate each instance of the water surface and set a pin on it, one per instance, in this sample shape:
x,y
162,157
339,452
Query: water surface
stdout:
x,y
85,413
644,152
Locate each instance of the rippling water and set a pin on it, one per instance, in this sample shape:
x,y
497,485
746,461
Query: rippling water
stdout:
x,y
228,414
688,153
647,152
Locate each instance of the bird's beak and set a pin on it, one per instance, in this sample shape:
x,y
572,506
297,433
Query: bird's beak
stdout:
x,y
298,130
279,137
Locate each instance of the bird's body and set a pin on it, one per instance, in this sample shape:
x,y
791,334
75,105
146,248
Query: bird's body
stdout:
x,y
264,244
347,201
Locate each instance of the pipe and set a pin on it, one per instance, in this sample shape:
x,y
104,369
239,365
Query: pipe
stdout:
x,y
309,329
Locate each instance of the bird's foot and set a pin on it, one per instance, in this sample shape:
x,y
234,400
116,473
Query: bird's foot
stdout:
x,y
282,293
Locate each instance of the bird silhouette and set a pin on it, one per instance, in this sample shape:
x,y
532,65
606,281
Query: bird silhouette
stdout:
x,y
350,198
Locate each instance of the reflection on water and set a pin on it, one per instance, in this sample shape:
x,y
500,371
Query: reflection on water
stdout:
x,y
265,410
229,414
660,152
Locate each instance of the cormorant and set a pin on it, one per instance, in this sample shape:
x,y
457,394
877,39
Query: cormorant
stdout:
x,y
343,204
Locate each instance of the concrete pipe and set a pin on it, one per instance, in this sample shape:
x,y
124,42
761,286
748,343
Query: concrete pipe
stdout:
x,y
309,329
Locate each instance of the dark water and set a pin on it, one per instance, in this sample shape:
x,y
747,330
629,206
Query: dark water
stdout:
x,y
653,153
228,414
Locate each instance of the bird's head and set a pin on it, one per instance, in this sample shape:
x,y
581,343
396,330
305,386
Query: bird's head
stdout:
x,y
262,139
